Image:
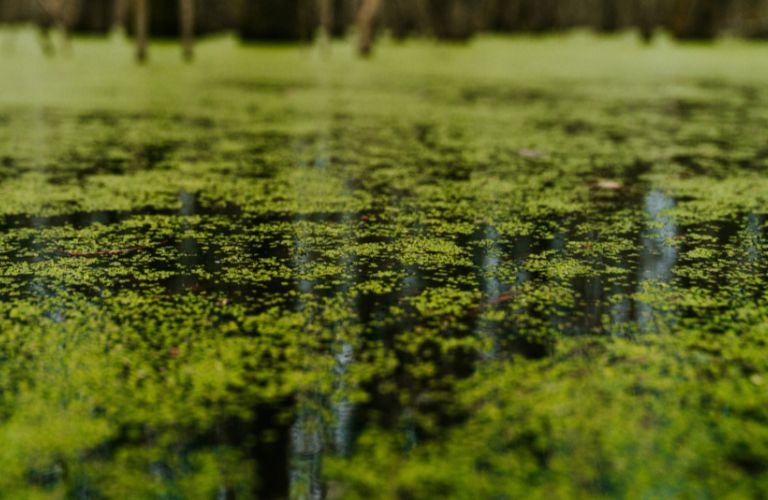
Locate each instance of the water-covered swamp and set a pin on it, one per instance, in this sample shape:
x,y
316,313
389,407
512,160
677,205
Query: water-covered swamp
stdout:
x,y
527,267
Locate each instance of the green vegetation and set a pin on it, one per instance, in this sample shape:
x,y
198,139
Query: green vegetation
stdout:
x,y
522,268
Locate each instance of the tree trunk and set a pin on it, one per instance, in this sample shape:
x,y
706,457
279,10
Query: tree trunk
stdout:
x,y
142,22
366,17
277,20
697,19
646,20
119,11
404,18
609,16
325,10
343,17
187,25
91,16
451,19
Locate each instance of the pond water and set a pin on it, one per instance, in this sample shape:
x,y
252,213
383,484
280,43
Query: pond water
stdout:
x,y
465,271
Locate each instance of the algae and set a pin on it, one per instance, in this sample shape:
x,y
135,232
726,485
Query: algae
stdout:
x,y
523,268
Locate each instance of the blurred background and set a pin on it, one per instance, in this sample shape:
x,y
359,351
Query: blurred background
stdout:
x,y
454,20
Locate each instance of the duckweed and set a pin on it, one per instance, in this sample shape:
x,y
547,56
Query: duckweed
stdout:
x,y
522,268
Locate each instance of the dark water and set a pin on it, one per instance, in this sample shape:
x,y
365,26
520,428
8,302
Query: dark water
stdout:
x,y
603,270
289,438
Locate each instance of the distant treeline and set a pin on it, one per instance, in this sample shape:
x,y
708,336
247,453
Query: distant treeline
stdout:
x,y
300,20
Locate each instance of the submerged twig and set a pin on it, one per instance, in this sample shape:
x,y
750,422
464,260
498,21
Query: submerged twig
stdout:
x,y
504,297
501,299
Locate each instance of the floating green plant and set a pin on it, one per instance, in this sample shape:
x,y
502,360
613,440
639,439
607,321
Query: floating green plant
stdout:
x,y
503,270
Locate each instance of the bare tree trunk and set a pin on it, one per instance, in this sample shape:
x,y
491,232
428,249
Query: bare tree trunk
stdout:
x,y
609,14
187,19
142,25
366,16
325,8
645,20
698,19
118,15
60,15
69,12
45,21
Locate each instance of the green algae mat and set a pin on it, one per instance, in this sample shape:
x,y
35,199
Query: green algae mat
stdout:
x,y
523,268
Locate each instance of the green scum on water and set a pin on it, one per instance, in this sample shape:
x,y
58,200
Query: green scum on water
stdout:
x,y
522,268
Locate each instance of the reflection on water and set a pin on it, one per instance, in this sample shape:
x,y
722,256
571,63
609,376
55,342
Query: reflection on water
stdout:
x,y
746,279
486,276
307,446
38,286
190,253
308,430
558,317
520,252
321,419
754,236
620,306
324,416
488,262
657,258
